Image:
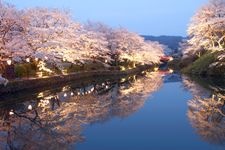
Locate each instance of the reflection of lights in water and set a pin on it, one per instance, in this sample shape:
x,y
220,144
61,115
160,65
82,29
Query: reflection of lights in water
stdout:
x,y
65,88
103,84
46,57
64,72
65,95
134,77
43,103
36,59
40,95
29,107
123,80
106,86
64,59
106,61
171,71
28,60
40,74
122,68
92,89
156,69
9,62
171,59
71,93
11,112
78,93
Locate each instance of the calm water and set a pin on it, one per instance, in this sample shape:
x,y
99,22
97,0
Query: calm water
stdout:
x,y
150,111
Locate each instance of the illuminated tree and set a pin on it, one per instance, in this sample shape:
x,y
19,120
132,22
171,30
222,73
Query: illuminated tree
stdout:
x,y
52,34
128,45
53,37
13,25
207,28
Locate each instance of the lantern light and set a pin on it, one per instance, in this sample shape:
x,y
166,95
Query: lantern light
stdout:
x,y
11,112
171,59
171,71
65,95
28,60
122,68
29,107
156,69
9,62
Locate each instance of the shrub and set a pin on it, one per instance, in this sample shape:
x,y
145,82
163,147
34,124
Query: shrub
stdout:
x,y
201,65
25,70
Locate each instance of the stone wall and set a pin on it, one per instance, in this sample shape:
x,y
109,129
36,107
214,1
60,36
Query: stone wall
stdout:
x,y
33,83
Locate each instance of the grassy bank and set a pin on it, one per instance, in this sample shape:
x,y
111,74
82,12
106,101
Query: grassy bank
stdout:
x,y
206,65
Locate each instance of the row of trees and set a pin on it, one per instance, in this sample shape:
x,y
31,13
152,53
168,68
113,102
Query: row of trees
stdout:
x,y
207,29
53,36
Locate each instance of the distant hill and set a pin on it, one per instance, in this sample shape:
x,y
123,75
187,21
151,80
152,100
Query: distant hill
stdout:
x,y
171,41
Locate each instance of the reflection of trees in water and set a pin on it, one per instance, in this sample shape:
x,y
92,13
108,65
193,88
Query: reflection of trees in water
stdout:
x,y
207,116
54,121
194,88
133,98
207,112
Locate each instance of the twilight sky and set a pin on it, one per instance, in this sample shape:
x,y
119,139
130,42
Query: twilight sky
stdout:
x,y
149,17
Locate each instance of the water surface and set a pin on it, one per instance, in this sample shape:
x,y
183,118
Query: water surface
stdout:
x,y
148,111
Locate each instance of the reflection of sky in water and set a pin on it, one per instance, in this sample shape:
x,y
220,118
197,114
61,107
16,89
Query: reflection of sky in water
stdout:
x,y
161,124
108,115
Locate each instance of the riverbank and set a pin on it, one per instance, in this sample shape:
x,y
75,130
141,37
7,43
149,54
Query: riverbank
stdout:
x,y
210,64
35,83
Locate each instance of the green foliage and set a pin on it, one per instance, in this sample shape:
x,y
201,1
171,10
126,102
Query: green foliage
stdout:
x,y
85,67
175,64
201,65
25,70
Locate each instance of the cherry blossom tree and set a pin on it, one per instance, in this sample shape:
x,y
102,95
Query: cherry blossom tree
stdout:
x,y
13,26
207,28
51,36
